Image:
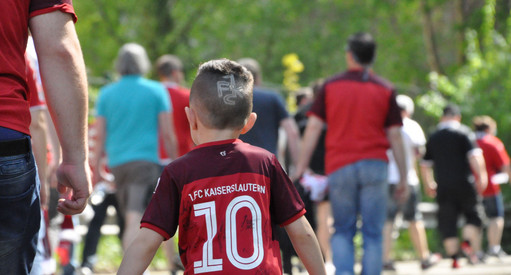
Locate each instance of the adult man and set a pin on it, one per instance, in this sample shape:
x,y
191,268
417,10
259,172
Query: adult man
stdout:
x,y
63,71
497,161
414,140
271,115
458,164
360,111
170,73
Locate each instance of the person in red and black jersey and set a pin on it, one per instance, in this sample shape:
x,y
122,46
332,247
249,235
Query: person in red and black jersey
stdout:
x,y
225,195
363,119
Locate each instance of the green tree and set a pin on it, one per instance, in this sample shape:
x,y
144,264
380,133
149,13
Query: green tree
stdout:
x,y
482,85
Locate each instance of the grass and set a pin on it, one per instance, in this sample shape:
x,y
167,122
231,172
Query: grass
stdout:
x,y
109,255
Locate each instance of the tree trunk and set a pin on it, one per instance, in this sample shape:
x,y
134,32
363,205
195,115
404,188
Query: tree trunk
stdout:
x,y
459,20
429,38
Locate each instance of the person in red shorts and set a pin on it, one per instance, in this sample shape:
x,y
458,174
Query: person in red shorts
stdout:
x,y
497,161
225,195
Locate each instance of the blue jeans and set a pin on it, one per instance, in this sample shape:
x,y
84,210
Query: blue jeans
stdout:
x,y
20,214
358,188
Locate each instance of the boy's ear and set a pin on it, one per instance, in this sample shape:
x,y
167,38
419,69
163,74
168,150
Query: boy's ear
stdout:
x,y
192,118
250,123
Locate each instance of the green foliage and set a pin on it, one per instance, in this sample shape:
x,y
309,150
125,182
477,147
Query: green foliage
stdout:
x,y
482,85
265,30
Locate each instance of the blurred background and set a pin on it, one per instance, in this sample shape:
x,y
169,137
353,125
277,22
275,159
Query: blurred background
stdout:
x,y
435,51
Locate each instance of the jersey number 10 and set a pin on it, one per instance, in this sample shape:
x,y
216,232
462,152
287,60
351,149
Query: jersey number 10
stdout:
x,y
208,210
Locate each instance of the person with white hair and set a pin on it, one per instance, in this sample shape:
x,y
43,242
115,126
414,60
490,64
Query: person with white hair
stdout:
x,y
414,141
130,114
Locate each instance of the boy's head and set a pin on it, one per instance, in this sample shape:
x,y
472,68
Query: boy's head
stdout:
x,y
221,95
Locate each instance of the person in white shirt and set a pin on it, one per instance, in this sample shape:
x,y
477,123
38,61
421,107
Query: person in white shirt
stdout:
x,y
414,141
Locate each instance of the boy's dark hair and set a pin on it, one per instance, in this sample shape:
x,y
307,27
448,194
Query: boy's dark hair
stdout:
x,y
168,63
451,110
363,47
222,91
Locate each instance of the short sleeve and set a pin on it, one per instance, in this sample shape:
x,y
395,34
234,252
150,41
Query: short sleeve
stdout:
x,y
318,108
164,97
502,155
469,142
427,156
38,7
286,204
162,213
415,133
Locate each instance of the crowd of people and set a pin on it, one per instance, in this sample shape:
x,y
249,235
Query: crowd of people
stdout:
x,y
204,163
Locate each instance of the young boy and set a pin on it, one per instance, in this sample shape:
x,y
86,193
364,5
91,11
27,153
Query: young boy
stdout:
x,y
225,195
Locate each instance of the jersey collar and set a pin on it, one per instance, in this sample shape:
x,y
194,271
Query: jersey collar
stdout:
x,y
219,142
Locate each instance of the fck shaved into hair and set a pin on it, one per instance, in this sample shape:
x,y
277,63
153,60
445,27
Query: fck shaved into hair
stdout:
x,y
222,91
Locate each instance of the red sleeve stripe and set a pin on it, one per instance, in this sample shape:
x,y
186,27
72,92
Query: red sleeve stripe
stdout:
x,y
66,8
293,218
156,229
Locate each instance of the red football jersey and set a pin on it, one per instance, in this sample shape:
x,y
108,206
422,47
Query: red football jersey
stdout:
x,y
14,95
180,98
357,113
226,197
495,156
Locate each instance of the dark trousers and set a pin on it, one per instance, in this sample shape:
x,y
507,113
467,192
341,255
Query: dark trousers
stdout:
x,y
94,232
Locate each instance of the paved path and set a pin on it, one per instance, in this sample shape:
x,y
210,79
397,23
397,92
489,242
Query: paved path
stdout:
x,y
492,267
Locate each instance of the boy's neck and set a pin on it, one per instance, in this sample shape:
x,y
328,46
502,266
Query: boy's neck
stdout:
x,y
206,135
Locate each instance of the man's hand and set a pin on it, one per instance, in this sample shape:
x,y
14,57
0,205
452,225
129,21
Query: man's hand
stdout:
x,y
430,189
480,186
74,185
402,192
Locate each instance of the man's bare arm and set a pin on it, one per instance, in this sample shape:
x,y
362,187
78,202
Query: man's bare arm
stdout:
x,y
478,166
166,128
308,145
98,148
398,150
65,84
55,150
38,129
293,138
428,179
